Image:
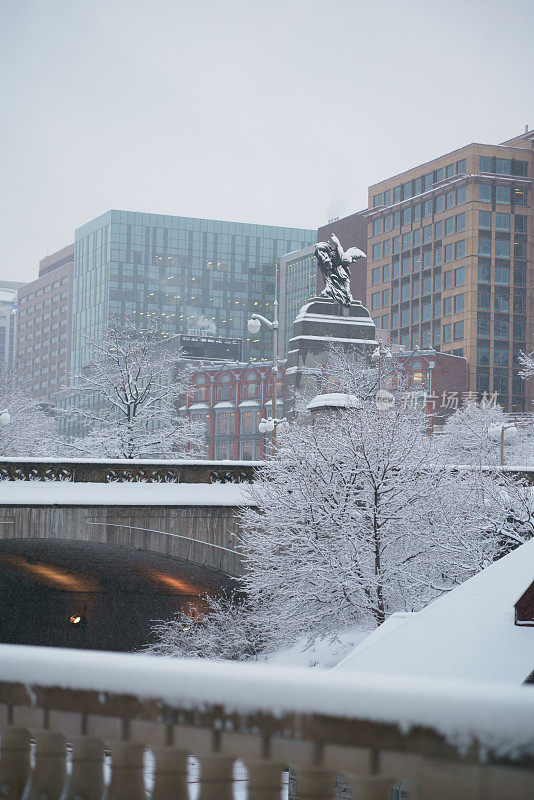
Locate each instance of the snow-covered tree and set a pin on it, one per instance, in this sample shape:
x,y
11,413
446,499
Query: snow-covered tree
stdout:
x,y
466,439
346,528
225,629
527,363
129,395
32,427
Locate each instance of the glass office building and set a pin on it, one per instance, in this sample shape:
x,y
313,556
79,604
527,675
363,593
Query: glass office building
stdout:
x,y
204,277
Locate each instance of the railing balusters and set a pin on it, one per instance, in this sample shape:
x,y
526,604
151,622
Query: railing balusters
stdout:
x,y
86,781
14,762
127,772
49,774
264,780
170,774
216,777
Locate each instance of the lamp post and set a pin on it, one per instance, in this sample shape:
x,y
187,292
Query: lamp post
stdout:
x,y
381,352
254,324
505,431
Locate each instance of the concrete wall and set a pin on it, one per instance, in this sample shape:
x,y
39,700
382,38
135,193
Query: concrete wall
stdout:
x,y
120,526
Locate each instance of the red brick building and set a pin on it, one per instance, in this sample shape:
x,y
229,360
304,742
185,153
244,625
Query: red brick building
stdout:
x,y
232,399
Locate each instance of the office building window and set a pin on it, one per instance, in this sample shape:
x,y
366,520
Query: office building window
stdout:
x,y
458,330
449,170
484,246
375,300
385,298
394,294
484,301
377,227
427,234
447,279
406,241
502,194
502,275
405,291
458,303
438,253
415,288
377,200
387,223
405,266
405,317
485,164
459,276
449,200
502,221
377,251
483,327
437,283
426,312
416,262
484,192
459,249
449,253
449,226
397,194
503,166
427,208
438,204
396,219
396,244
387,197
461,167
502,303
502,248
415,315
447,333
438,230
447,306
484,220
460,222
500,355
520,223
483,354
427,285
385,273
501,328
417,237
376,274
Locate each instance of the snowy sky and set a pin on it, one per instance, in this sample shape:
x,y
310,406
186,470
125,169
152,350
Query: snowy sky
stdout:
x,y
278,112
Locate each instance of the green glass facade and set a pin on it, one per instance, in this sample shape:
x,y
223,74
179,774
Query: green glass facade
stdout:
x,y
201,275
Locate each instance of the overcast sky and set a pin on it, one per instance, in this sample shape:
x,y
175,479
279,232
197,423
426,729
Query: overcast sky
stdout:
x,y
272,111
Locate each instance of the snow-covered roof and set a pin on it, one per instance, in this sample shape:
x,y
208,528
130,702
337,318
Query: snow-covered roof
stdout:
x,y
469,633
249,403
224,404
334,400
195,406
65,493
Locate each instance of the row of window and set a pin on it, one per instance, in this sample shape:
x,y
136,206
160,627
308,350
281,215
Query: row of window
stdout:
x,y
419,185
502,166
45,289
419,211
500,328
502,221
451,252
503,195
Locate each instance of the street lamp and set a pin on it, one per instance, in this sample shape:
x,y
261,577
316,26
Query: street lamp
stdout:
x,y
381,352
254,324
505,431
5,417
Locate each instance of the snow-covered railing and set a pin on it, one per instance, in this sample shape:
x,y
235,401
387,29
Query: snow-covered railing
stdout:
x,y
100,470
433,739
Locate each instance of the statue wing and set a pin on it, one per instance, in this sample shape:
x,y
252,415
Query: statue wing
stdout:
x,y
354,253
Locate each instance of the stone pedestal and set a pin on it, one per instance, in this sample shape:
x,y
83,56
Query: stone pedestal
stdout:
x,y
321,324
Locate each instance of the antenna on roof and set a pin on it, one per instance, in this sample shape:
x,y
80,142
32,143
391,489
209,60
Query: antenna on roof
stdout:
x,y
526,128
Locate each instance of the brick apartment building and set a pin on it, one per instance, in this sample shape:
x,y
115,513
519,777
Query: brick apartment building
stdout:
x,y
232,399
43,334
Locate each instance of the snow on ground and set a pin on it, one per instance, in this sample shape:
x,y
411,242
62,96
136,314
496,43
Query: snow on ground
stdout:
x,y
499,716
467,634
123,494
322,653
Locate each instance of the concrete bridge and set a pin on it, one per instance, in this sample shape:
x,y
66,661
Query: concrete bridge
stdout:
x,y
118,543
181,509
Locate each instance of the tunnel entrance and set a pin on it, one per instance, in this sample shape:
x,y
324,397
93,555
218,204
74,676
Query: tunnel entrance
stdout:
x,y
94,596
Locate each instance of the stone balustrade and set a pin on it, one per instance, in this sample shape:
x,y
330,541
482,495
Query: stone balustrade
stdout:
x,y
62,713
86,470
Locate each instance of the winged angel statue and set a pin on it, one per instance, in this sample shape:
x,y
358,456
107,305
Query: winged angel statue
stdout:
x,y
334,264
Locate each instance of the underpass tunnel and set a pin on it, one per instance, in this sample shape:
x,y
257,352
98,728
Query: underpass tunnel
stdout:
x,y
94,596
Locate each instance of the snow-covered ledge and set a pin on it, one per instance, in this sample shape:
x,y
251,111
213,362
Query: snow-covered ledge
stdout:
x,y
379,733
